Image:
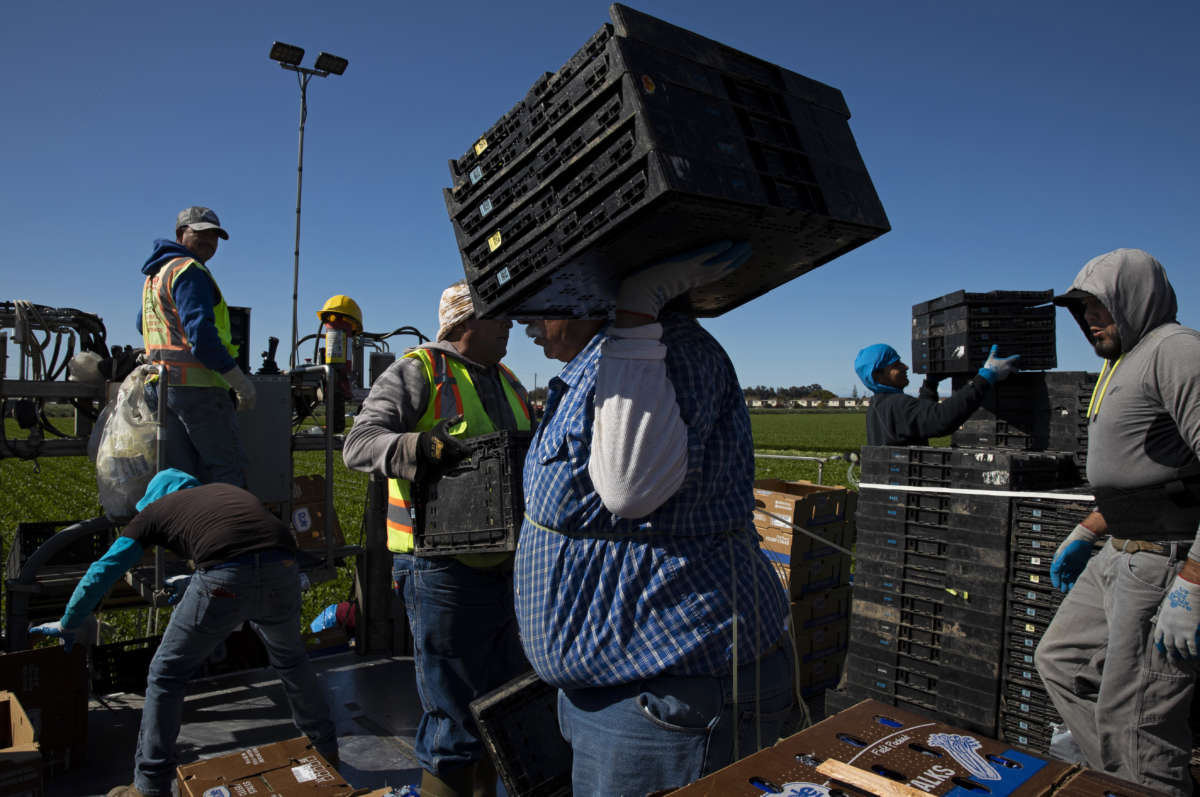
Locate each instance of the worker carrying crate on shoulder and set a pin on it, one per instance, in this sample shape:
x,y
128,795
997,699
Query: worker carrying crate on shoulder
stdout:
x,y
246,570
460,608
895,418
184,322
643,593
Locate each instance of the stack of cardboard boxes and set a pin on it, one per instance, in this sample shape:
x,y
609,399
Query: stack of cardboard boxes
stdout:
x,y
814,571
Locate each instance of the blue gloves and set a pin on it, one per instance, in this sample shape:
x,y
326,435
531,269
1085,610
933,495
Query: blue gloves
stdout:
x,y
326,619
645,292
1071,557
1177,631
87,630
997,369
176,586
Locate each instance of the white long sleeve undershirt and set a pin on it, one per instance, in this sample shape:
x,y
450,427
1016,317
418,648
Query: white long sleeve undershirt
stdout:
x,y
639,441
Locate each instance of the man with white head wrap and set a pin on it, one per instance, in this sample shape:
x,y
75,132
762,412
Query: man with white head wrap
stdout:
x,y
460,609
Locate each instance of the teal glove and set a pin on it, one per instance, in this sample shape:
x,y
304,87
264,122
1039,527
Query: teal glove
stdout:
x,y
67,635
1177,632
1071,557
645,292
996,368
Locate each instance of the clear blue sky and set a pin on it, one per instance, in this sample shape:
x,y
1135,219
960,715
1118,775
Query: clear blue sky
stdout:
x,y
1009,143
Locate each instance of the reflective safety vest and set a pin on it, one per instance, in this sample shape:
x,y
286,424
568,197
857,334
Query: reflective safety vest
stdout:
x,y
453,393
163,333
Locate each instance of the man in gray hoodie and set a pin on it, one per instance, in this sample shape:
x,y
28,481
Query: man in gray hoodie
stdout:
x,y
1120,658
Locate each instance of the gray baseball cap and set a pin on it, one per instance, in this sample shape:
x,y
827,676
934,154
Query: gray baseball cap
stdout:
x,y
200,218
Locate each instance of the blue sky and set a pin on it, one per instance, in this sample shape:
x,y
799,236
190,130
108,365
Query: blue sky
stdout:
x,y
1008,142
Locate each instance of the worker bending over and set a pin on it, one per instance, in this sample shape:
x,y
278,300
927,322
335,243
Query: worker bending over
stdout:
x,y
641,588
184,323
897,419
246,570
460,608
1120,657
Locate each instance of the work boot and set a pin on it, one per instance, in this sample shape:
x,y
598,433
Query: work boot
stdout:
x,y
451,784
125,791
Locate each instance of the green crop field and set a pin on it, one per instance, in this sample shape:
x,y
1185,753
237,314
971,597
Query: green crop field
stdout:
x,y
64,488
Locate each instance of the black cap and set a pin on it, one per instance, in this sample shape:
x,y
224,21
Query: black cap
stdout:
x,y
1071,297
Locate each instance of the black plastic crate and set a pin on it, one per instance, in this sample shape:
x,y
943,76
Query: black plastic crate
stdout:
x,y
995,301
1026,675
587,185
122,666
28,537
477,506
985,596
519,726
1020,731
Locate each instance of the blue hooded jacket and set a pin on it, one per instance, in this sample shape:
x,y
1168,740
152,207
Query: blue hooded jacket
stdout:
x,y
195,293
870,360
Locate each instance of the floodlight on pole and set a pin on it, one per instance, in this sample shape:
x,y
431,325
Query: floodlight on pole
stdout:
x,y
289,57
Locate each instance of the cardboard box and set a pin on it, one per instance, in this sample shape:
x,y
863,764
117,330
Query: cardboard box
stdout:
x,y
931,757
815,576
783,545
821,670
825,640
20,756
52,686
801,502
291,768
308,515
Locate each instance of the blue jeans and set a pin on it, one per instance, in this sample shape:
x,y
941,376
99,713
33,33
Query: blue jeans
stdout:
x,y
262,588
202,433
666,732
465,644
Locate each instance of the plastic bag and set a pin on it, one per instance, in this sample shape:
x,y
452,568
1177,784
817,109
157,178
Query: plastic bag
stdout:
x,y
127,457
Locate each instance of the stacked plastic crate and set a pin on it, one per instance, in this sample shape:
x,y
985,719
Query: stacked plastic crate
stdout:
x,y
1038,526
649,141
928,611
814,571
952,335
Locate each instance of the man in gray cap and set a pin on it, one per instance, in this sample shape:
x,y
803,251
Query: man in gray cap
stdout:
x,y
184,322
1120,657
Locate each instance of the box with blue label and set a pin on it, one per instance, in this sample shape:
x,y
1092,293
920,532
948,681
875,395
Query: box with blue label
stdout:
x,y
874,748
779,504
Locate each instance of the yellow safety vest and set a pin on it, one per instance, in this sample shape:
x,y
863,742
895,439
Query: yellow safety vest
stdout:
x,y
453,393
163,333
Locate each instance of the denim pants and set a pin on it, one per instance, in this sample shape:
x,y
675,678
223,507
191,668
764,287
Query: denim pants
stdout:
x,y
263,589
202,433
465,644
668,731
1126,703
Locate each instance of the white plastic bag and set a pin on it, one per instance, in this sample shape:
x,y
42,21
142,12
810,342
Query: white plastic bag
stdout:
x,y
127,456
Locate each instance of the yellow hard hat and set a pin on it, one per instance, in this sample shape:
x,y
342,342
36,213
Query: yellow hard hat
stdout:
x,y
344,306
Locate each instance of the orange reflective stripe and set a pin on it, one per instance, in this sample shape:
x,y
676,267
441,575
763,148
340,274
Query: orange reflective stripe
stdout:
x,y
441,378
517,388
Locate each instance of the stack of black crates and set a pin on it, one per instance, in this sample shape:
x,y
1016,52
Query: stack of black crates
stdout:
x,y
649,141
952,589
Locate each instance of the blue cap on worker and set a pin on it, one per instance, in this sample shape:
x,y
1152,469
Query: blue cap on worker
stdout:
x,y
870,360
164,483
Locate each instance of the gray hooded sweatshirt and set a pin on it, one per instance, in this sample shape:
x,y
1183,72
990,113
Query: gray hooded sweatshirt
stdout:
x,y
1147,428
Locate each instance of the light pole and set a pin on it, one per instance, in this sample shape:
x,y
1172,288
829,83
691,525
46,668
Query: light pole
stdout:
x,y
289,57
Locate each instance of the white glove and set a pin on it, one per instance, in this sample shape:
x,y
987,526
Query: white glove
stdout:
x,y
1177,632
645,292
997,368
242,386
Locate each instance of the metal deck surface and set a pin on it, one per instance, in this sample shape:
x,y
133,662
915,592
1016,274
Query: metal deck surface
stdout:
x,y
373,700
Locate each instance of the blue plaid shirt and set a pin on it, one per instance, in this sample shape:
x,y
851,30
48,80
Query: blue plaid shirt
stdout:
x,y
604,600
